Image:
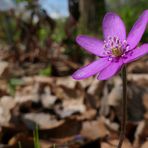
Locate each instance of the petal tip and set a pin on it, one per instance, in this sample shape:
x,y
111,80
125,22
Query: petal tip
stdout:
x,y
78,38
145,11
113,26
76,76
109,14
138,30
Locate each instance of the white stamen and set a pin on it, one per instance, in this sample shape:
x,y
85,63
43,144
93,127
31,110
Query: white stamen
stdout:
x,y
113,43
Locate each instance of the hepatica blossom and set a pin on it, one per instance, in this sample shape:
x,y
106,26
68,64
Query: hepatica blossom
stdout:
x,y
115,50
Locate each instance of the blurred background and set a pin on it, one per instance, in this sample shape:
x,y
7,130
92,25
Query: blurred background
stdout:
x,y
41,106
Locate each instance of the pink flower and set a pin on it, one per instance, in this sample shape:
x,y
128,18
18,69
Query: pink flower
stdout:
x,y
116,49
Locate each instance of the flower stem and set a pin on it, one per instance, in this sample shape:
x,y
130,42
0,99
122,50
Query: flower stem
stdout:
x,y
124,108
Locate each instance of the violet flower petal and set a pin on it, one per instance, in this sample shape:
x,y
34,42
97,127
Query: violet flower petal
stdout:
x,y
91,69
91,44
137,30
113,26
136,53
110,71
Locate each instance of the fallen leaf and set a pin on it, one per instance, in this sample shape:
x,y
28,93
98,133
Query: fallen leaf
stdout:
x,y
94,129
145,145
44,121
114,143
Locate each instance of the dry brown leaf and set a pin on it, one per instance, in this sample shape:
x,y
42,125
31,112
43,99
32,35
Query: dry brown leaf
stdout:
x,y
145,101
87,82
44,121
70,107
47,99
6,104
67,82
115,96
87,115
114,143
139,66
70,127
94,129
3,67
27,93
43,79
145,145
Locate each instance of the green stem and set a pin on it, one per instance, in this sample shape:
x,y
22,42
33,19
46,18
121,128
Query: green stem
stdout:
x,y
124,108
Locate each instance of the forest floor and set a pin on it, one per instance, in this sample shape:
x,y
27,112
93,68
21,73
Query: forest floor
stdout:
x,y
69,113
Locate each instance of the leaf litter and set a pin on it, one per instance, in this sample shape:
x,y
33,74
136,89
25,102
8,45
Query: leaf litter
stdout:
x,y
70,113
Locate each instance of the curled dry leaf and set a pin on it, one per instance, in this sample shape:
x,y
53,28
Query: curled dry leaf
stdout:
x,y
3,68
87,115
47,99
27,93
66,82
70,107
139,129
44,121
69,128
115,96
112,125
6,104
65,93
139,79
93,93
87,82
94,129
139,66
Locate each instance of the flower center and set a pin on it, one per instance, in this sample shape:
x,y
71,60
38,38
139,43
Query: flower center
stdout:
x,y
116,52
114,47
